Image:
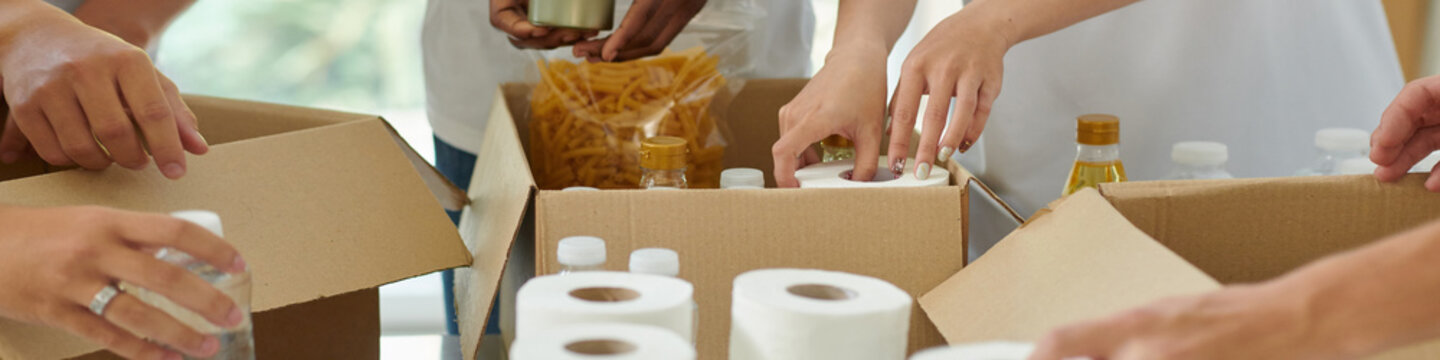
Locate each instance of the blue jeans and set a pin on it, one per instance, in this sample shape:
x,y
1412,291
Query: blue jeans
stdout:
x,y
457,165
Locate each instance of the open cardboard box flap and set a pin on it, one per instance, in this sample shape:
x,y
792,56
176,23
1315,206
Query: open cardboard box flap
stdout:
x,y
320,203
1091,255
718,233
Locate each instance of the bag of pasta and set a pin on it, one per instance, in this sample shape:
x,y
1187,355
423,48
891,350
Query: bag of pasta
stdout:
x,y
587,119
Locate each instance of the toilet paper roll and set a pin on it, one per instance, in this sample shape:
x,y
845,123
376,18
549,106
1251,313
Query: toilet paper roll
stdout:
x,y
603,341
605,296
836,174
978,351
792,314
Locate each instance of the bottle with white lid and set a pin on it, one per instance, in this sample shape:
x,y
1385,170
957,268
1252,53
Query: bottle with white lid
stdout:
x,y
1199,160
236,343
1336,145
581,253
1355,166
742,178
580,188
662,262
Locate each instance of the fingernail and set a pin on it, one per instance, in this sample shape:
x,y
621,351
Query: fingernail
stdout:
x,y
922,172
965,146
173,170
239,264
201,137
236,317
9,157
210,345
610,55
898,167
945,153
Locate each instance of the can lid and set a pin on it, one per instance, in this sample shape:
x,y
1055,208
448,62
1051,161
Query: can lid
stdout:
x,y
1199,153
1342,139
663,153
581,251
1355,166
742,177
837,141
1097,129
655,261
206,219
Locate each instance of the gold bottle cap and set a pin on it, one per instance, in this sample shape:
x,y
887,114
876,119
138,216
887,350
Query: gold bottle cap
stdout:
x,y
1098,129
837,141
663,153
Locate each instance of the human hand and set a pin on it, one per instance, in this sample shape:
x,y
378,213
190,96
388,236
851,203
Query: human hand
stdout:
x,y
847,97
962,57
649,26
1238,322
53,261
1409,130
73,91
510,17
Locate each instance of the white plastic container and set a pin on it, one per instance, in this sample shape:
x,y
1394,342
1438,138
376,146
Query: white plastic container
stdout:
x,y
655,261
1426,164
1355,166
1336,145
742,178
581,253
1199,160
579,188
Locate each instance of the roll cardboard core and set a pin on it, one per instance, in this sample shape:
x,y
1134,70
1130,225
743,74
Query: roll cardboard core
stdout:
x,y
605,294
821,292
600,347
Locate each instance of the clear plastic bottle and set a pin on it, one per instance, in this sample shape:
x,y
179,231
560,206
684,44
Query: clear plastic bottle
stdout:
x,y
663,262
742,178
236,343
1336,145
835,148
1199,160
662,163
1097,158
1355,166
581,253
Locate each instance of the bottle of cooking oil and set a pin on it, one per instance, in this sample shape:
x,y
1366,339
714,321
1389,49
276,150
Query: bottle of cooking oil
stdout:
x,y
1097,158
662,163
835,148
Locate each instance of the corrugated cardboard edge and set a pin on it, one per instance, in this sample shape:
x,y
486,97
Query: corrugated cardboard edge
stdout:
x,y
500,192
451,197
963,176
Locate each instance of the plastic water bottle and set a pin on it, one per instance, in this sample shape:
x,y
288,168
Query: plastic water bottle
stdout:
x,y
1199,160
663,262
581,253
1355,166
1337,145
742,178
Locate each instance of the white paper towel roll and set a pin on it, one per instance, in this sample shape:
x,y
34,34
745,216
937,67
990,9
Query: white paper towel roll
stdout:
x,y
978,351
836,174
605,296
603,341
792,314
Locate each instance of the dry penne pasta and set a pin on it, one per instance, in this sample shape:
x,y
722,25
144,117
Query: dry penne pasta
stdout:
x,y
588,119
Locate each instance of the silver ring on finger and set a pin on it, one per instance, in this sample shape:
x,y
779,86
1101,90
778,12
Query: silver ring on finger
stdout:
x,y
102,299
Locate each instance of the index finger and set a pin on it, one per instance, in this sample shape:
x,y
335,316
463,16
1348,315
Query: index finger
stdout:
x,y
1403,118
787,152
155,230
142,93
635,19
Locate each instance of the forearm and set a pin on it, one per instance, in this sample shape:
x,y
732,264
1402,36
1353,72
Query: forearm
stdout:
x,y
138,22
1020,20
1376,297
871,25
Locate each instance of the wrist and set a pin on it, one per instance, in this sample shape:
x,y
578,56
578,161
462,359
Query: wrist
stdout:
x,y
992,19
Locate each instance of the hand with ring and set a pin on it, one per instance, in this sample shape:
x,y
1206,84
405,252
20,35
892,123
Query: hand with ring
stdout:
x,y
60,267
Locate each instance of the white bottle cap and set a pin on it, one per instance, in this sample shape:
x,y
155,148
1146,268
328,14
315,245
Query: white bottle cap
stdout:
x,y
734,177
1355,166
1427,163
1199,153
655,261
579,188
1342,139
581,251
206,219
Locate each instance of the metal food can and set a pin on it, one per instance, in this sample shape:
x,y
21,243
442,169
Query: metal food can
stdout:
x,y
573,14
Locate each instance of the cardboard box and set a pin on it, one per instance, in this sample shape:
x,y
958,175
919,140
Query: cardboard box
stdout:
x,y
912,237
324,205
1099,252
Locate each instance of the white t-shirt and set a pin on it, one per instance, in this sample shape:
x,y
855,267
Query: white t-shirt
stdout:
x,y
465,58
1260,76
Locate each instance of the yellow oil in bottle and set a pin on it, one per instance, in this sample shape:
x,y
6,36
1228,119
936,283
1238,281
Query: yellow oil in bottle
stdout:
x,y
1097,158
1091,174
836,148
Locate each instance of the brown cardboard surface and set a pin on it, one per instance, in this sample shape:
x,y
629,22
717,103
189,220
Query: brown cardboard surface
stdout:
x,y
320,211
722,233
1080,261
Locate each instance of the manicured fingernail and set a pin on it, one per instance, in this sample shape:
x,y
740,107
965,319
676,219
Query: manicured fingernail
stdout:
x,y
210,345
239,264
173,170
236,317
898,167
9,157
945,153
965,146
922,172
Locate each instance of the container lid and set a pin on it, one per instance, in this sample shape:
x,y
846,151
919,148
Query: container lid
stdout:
x,y
579,188
581,251
1355,166
742,177
1097,129
206,219
1428,163
655,261
663,153
1342,139
1199,153
837,141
